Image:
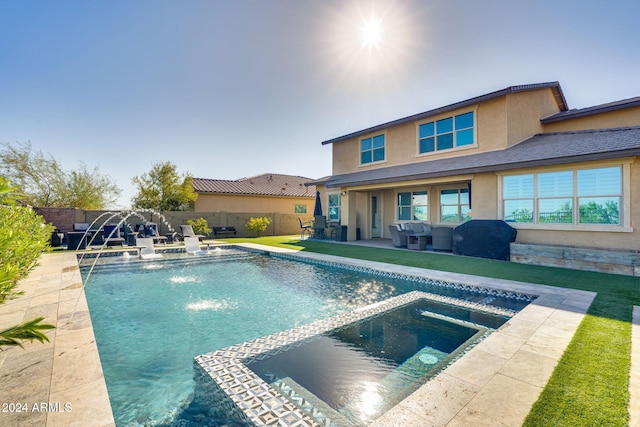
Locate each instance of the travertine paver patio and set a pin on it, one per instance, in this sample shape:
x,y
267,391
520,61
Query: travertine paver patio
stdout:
x,y
59,383
494,384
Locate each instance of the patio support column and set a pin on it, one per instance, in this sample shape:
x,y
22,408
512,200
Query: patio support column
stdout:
x,y
350,214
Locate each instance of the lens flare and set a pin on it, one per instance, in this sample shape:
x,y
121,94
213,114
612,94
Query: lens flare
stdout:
x,y
371,33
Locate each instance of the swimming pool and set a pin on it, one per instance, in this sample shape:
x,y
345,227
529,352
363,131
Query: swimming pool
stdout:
x,y
152,318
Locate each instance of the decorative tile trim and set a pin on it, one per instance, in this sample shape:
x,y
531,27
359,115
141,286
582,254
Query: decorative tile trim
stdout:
x,y
246,396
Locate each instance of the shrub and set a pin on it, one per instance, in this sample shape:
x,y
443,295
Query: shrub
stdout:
x,y
200,226
23,237
258,225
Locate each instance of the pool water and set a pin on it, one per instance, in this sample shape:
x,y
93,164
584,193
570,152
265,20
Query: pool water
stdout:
x,y
358,372
151,318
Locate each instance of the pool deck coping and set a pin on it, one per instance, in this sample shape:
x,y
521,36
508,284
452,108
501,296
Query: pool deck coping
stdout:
x,y
496,383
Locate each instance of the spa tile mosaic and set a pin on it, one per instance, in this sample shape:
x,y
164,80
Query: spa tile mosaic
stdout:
x,y
248,397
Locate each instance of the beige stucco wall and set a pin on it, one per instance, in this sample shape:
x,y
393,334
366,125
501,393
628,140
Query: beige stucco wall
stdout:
x,y
524,111
484,196
247,203
612,119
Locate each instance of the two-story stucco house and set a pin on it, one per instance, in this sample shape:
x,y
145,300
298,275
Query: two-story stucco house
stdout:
x,y
560,176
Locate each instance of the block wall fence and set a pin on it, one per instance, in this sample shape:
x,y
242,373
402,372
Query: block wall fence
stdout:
x,y
167,221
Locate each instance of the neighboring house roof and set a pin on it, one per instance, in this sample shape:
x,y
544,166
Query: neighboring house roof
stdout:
x,y
596,109
555,86
539,150
268,184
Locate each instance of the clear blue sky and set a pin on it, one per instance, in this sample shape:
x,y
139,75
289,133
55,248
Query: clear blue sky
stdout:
x,y
229,89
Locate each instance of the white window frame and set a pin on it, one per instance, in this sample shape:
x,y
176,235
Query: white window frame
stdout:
x,y
625,202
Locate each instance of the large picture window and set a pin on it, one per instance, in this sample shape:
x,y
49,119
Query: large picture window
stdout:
x,y
372,149
454,205
585,196
413,206
445,134
334,207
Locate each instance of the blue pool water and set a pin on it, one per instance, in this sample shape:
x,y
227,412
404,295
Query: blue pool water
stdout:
x,y
151,318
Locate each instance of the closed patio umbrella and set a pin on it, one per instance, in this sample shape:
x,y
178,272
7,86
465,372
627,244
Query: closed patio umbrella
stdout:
x,y
317,209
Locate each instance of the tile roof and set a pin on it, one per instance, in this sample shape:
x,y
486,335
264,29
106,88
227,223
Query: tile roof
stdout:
x,y
555,86
268,184
539,150
596,109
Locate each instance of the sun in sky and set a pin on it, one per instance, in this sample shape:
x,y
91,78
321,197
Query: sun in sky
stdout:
x,y
370,35
371,32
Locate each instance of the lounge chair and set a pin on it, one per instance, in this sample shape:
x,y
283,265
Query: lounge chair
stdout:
x,y
150,229
305,227
187,231
192,246
111,235
147,251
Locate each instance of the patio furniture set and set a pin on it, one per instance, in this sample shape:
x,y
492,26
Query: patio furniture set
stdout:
x,y
417,236
320,228
481,238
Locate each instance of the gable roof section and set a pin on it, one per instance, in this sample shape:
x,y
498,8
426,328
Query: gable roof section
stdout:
x,y
555,86
539,150
268,184
596,109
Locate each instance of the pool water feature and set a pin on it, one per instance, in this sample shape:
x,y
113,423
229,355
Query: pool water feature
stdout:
x,y
151,318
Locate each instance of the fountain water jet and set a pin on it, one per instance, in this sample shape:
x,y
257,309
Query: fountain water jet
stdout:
x,y
124,215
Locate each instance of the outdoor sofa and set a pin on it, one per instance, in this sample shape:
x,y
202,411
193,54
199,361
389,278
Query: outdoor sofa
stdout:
x,y
399,232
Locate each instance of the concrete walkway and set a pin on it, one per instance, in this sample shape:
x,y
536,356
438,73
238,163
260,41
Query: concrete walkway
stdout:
x,y
61,383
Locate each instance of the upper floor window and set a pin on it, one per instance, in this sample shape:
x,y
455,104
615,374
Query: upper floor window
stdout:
x,y
413,206
454,205
372,149
585,196
334,207
445,134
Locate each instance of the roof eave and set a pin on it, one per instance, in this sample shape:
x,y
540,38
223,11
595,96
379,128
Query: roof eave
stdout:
x,y
590,111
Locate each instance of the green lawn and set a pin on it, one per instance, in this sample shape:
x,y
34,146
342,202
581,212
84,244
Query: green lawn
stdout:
x,y
589,387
